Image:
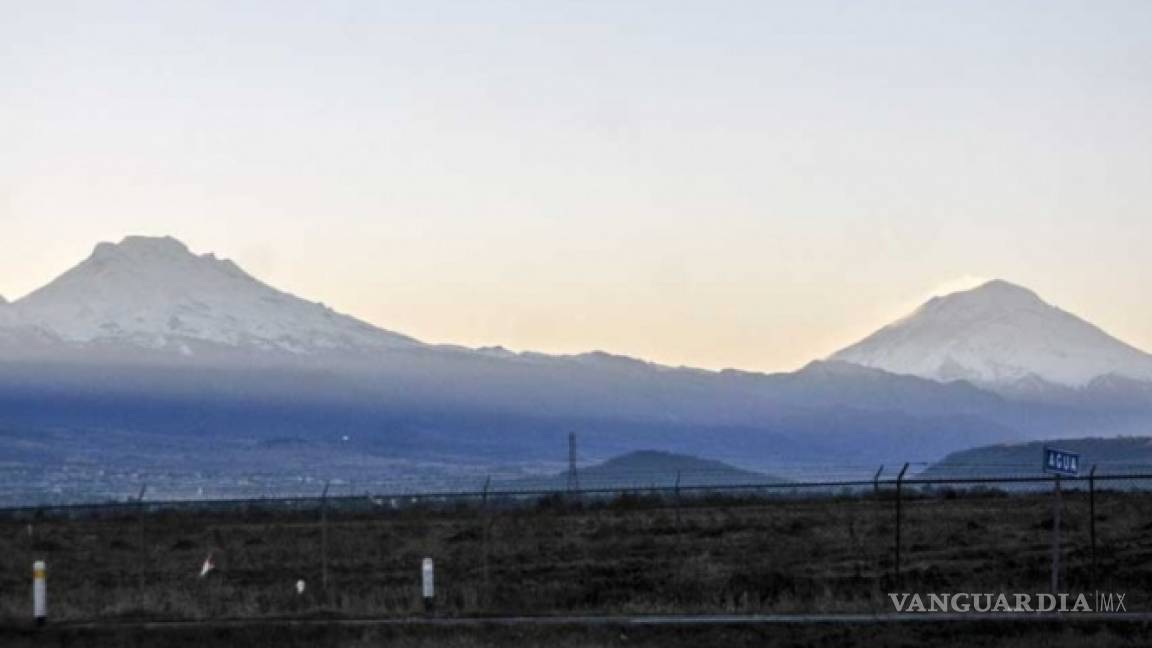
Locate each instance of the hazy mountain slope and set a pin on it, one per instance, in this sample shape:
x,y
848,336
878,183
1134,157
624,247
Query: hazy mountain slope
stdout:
x,y
997,335
1115,456
464,398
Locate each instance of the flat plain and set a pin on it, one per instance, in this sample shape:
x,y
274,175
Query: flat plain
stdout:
x,y
631,555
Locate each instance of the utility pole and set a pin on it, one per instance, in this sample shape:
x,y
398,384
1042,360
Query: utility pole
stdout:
x,y
573,473
486,521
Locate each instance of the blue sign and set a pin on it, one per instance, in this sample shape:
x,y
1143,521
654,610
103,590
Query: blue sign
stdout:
x,y
1061,462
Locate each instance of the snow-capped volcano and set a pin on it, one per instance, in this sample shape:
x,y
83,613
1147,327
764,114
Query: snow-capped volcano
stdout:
x,y
148,293
144,344
997,335
154,293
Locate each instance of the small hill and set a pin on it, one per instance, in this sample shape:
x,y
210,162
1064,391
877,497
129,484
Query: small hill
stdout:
x,y
648,469
1115,456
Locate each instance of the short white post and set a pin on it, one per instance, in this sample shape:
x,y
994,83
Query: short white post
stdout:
x,y
39,592
428,579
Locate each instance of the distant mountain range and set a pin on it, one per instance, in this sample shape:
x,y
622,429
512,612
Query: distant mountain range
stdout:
x,y
146,346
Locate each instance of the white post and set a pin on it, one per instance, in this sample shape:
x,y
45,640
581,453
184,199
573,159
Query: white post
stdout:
x,y
427,572
39,592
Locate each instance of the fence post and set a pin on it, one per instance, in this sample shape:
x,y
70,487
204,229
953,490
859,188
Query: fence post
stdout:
x,y
1092,519
486,520
427,584
876,480
324,539
39,592
899,493
1056,535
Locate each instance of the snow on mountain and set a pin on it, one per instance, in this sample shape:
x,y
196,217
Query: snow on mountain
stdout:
x,y
154,293
997,335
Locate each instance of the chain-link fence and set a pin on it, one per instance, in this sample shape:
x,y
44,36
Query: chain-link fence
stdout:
x,y
658,544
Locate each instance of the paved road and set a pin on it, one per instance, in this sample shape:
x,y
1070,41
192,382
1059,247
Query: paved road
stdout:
x,y
645,620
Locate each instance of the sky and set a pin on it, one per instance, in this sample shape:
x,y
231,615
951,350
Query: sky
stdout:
x,y
717,184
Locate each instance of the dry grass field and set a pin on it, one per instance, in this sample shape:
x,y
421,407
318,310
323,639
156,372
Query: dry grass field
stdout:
x,y
631,555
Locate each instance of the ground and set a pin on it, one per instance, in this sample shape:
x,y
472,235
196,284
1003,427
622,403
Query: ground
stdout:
x,y
632,555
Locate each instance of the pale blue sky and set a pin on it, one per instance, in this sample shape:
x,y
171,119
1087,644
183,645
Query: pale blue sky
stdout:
x,y
748,184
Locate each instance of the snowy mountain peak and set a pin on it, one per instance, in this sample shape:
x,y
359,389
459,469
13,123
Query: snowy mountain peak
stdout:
x,y
1000,291
164,254
143,247
997,335
153,292
993,295
1002,287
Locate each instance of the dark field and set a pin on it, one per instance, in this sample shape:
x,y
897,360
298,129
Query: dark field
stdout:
x,y
632,555
903,635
